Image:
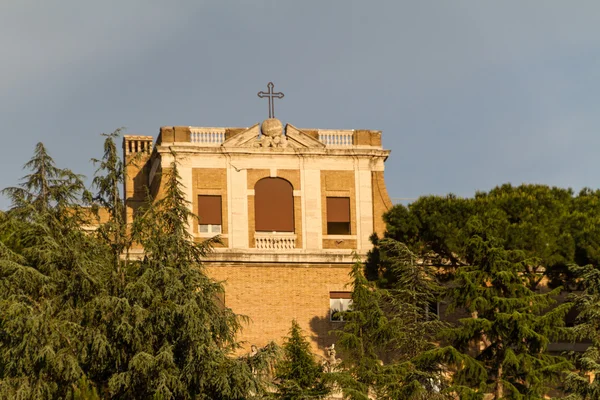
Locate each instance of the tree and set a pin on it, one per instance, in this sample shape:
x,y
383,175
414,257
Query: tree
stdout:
x,y
510,324
533,221
584,384
172,337
543,222
298,375
69,329
386,331
109,176
49,269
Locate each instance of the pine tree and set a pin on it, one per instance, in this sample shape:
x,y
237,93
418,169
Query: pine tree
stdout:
x,y
173,338
510,327
110,175
44,281
547,224
386,331
585,383
298,375
69,329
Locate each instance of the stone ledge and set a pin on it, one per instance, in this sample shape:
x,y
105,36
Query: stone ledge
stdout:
x,y
194,148
299,256
253,256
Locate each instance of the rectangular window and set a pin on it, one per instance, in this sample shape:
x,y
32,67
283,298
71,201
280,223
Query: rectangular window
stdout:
x,y
338,215
339,302
209,228
209,214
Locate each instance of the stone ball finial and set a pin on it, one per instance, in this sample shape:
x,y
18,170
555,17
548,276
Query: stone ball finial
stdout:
x,y
271,127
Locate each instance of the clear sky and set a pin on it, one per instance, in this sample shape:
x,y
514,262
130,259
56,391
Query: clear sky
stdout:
x,y
468,94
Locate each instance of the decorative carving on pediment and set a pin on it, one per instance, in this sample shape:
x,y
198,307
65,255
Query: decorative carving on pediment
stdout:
x,y
276,141
271,135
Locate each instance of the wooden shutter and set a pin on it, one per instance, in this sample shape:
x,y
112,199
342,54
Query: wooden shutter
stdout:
x,y
273,205
340,295
209,210
338,209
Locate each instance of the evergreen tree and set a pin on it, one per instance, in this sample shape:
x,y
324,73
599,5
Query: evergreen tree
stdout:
x,y
110,175
510,327
298,375
549,225
49,269
173,338
533,222
69,329
385,332
585,383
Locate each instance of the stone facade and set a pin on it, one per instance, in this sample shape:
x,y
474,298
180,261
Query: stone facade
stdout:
x,y
273,277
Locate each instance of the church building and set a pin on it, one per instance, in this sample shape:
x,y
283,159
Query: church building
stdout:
x,y
292,206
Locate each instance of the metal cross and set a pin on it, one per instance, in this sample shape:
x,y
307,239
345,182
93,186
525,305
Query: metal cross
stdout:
x,y
271,96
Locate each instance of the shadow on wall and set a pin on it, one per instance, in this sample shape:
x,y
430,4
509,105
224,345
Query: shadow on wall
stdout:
x,y
137,201
321,332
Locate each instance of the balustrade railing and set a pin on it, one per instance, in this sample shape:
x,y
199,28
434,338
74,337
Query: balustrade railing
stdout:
x,y
337,138
207,136
274,241
138,144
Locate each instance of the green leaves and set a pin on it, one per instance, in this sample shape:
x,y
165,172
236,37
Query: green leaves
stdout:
x,y
510,327
584,383
78,321
495,252
551,226
298,375
388,332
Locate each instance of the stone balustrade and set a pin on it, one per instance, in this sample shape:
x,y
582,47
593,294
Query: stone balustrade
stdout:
x,y
133,144
274,241
207,136
336,138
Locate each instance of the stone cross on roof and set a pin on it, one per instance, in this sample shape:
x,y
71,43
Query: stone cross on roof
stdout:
x,y
271,96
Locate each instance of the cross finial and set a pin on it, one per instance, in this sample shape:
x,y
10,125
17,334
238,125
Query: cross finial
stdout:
x,y
271,96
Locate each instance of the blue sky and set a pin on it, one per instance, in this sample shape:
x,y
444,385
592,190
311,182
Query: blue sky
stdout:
x,y
468,94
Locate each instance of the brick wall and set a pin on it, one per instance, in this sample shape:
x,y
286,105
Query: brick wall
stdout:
x,y
271,295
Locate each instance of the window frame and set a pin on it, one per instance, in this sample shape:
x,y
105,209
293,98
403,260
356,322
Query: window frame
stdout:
x,y
345,301
331,219
212,229
268,221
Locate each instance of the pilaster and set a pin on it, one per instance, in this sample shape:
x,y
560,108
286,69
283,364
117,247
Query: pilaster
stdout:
x,y
239,208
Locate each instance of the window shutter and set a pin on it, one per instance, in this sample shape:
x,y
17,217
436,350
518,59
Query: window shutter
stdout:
x,y
340,295
209,210
338,209
273,205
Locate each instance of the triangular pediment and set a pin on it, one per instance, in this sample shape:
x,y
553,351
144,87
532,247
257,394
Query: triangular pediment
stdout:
x,y
245,138
300,139
294,138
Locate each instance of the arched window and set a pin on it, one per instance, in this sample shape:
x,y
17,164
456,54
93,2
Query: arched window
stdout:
x,y
273,205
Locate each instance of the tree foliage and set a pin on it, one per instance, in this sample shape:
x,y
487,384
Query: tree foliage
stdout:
x,y
45,281
386,331
584,383
550,225
496,252
298,375
76,322
510,325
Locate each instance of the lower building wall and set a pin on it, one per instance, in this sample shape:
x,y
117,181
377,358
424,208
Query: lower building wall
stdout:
x,y
272,295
